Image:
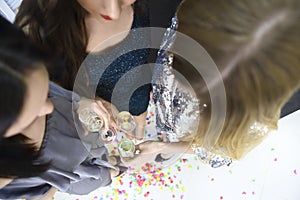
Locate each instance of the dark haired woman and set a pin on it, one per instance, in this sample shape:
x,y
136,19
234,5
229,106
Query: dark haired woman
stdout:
x,y
73,28
40,154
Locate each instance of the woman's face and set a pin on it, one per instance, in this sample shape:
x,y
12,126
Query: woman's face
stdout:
x,y
36,102
106,10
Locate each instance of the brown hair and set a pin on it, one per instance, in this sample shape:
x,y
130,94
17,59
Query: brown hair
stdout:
x,y
58,25
255,45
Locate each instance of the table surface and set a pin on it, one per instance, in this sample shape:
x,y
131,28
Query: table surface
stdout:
x,y
270,171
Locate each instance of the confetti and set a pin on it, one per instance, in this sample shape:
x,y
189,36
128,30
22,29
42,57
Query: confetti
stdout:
x,y
146,194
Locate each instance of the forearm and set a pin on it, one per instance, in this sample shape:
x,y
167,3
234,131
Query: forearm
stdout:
x,y
48,195
5,181
178,147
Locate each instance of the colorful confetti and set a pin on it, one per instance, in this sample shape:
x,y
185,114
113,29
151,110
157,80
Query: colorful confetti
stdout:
x,y
172,182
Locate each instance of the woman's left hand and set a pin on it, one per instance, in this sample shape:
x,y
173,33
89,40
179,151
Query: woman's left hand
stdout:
x,y
150,149
147,153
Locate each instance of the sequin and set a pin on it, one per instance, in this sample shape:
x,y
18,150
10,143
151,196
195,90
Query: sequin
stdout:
x,y
177,110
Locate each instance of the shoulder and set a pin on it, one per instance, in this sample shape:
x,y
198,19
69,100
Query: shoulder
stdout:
x,y
57,91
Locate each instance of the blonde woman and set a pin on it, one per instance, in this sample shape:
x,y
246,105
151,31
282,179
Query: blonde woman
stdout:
x,y
255,45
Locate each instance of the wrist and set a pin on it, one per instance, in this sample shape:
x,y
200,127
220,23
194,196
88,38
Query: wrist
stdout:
x,y
178,147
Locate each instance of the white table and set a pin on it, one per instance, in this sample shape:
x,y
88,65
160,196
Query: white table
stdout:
x,y
269,172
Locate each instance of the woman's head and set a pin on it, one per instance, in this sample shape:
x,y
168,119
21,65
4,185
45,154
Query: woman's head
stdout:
x,y
105,10
24,89
59,26
255,45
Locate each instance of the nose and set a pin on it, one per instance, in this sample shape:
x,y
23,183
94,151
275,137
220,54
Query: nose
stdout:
x,y
112,8
47,108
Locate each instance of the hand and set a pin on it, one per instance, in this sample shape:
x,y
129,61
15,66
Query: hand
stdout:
x,y
148,152
114,172
150,149
103,108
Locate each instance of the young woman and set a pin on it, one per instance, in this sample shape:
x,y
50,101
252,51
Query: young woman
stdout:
x,y
41,151
254,45
72,30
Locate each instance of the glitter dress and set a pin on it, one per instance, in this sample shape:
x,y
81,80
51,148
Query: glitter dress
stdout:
x,y
177,110
104,76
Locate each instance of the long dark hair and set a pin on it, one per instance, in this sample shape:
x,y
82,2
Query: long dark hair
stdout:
x,y
18,57
59,26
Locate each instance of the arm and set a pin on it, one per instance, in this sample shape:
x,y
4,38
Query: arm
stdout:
x,y
5,181
150,149
48,195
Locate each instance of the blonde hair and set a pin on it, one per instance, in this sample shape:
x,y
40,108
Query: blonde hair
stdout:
x,y
255,44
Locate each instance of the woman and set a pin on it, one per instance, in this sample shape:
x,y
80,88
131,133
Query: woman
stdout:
x,y
72,29
254,44
41,151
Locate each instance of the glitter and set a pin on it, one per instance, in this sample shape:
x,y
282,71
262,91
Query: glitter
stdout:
x,y
295,172
244,193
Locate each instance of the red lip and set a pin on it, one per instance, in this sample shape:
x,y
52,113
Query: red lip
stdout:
x,y
106,17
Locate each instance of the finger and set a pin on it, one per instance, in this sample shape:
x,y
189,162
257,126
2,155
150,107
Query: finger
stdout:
x,y
112,160
86,132
151,97
109,121
130,136
100,104
164,137
114,125
104,115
